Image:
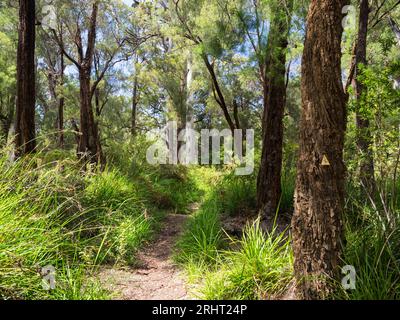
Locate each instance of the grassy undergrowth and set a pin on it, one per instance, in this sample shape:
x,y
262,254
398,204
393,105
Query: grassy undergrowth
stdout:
x,y
259,269
257,266
373,245
169,187
203,236
51,214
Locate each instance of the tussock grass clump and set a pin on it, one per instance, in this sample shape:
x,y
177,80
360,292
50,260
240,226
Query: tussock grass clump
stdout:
x,y
376,262
238,194
202,238
175,194
51,214
260,269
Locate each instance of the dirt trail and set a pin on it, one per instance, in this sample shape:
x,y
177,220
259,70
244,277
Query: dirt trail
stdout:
x,y
156,278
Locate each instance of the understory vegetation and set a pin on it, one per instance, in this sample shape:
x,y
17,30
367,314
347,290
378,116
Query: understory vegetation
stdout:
x,y
123,125
53,214
258,264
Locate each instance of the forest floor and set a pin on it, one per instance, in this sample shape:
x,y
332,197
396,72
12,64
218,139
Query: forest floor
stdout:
x,y
156,277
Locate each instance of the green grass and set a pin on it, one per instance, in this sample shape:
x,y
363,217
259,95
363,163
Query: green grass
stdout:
x,y
168,187
373,246
33,236
256,266
259,265
376,265
53,214
203,235
237,194
260,269
288,189
202,238
174,193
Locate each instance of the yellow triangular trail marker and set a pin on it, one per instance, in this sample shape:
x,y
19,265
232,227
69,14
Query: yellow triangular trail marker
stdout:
x,y
325,161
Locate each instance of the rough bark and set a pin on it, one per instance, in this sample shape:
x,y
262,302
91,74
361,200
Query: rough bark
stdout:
x,y
269,178
61,103
7,109
135,100
89,148
364,137
25,142
319,200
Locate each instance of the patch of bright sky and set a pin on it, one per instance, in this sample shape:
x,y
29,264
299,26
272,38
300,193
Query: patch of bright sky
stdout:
x,y
125,67
128,2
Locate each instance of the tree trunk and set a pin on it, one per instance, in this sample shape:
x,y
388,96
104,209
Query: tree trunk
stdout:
x,y
319,201
364,138
89,149
7,109
61,104
218,95
97,102
84,141
25,107
269,179
135,99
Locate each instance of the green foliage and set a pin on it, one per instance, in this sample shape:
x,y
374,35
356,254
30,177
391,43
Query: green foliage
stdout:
x,y
118,211
114,191
288,181
237,194
223,193
373,238
372,223
51,214
258,265
203,234
202,238
34,233
167,187
378,105
260,269
375,259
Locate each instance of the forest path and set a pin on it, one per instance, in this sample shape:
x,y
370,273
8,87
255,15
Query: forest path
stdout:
x,y
157,277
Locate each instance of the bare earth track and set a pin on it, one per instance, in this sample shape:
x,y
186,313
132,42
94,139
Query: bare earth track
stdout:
x,y
156,278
